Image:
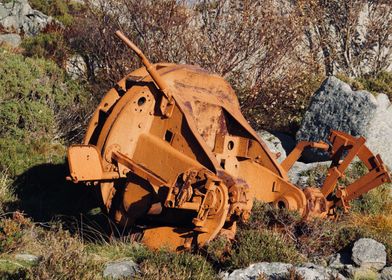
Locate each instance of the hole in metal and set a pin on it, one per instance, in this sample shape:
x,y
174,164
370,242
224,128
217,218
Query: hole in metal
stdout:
x,y
168,136
230,145
141,101
281,205
223,163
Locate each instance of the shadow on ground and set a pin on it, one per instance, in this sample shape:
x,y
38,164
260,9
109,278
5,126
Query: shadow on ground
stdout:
x,y
45,195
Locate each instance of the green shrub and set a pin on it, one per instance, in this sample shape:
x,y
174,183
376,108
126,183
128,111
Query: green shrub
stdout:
x,y
267,236
168,265
379,83
60,9
262,245
35,95
159,264
49,45
11,270
118,249
377,201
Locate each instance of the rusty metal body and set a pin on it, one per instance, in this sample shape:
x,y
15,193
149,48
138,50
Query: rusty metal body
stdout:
x,y
173,156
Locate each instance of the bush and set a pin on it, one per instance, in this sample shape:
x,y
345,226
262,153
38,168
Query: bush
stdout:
x,y
50,45
159,264
267,236
35,119
379,83
377,201
254,46
262,245
62,10
168,265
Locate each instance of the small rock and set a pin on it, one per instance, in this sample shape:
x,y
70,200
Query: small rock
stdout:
x,y
76,67
335,262
340,260
29,258
273,143
386,273
296,173
12,40
368,253
316,272
273,271
288,141
119,269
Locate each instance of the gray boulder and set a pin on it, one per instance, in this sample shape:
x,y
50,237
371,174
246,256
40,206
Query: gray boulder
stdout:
x,y
316,272
273,271
379,132
335,106
18,17
386,273
120,269
273,143
370,254
12,40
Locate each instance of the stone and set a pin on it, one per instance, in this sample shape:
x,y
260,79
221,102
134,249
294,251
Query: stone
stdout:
x,y
335,106
335,262
370,254
340,260
120,269
287,140
298,170
386,273
273,143
379,132
29,258
315,272
273,271
76,67
12,40
17,16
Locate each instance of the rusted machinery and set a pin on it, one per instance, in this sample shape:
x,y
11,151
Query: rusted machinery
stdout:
x,y
172,156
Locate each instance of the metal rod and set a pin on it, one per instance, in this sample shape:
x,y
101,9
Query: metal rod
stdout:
x,y
159,81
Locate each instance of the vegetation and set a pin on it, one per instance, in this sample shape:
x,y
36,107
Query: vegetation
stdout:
x,y
61,10
255,46
37,102
379,83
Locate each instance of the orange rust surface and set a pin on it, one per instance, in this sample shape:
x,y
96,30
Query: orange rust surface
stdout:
x,y
175,158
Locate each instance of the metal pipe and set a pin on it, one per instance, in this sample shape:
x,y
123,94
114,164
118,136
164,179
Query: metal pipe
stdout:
x,y
159,81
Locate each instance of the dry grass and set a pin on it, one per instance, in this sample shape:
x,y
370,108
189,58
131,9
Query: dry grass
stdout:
x,y
67,256
7,195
